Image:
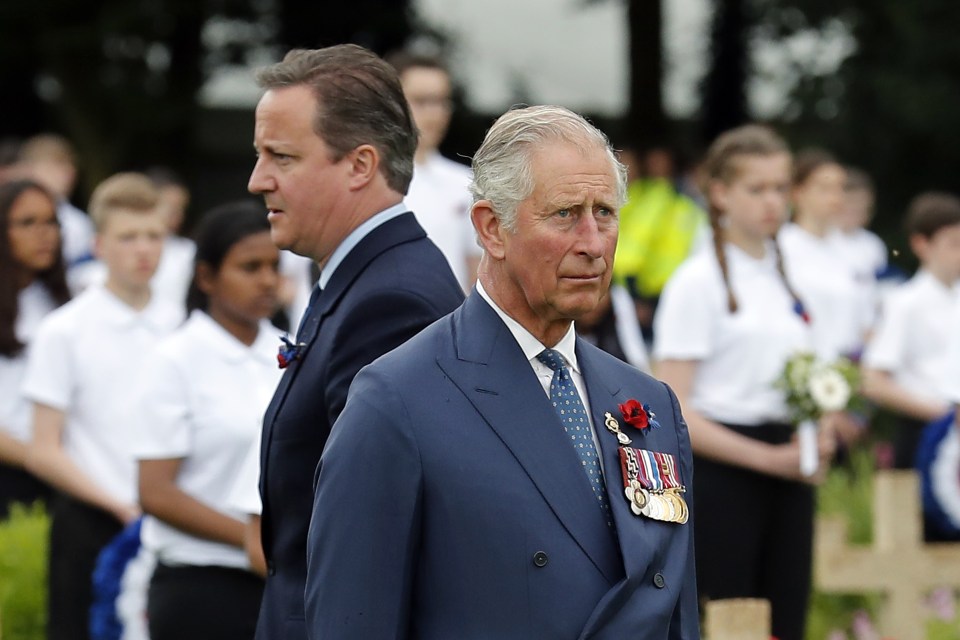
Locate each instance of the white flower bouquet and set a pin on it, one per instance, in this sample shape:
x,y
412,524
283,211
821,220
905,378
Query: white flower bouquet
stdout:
x,y
813,388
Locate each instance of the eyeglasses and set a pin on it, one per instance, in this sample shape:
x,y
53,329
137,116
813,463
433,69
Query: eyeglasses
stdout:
x,y
33,223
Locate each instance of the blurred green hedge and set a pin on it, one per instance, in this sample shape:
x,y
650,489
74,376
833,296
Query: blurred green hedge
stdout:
x,y
23,573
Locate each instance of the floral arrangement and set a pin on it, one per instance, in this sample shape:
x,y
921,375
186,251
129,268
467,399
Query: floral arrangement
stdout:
x,y
814,387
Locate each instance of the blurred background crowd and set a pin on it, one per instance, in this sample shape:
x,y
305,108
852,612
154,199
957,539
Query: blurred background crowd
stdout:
x,y
149,105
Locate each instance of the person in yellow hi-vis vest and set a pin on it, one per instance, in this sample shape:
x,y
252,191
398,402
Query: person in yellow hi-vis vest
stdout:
x,y
659,228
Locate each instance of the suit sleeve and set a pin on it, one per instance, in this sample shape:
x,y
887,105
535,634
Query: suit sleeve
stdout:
x,y
365,529
381,322
685,622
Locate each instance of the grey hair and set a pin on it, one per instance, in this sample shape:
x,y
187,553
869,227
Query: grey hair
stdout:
x,y
501,167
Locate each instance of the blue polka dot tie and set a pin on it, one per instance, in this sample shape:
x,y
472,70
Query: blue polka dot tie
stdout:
x,y
569,407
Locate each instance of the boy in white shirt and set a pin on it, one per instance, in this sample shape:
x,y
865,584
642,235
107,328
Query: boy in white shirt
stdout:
x,y
85,355
905,364
439,194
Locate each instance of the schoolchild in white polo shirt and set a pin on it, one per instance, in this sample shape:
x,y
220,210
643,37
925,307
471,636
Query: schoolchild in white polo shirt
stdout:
x,y
439,193
32,284
201,401
79,372
906,362
726,324
841,306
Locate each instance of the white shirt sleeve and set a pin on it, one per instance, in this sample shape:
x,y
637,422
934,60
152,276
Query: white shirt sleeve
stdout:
x,y
164,415
887,348
685,319
245,494
951,381
50,377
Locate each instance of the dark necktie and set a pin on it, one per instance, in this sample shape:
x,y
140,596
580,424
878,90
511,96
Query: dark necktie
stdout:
x,y
569,407
314,295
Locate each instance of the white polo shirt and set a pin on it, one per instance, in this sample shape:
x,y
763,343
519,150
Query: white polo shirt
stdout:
x,y
951,377
245,493
740,355
33,303
82,361
201,398
915,327
841,309
863,250
439,197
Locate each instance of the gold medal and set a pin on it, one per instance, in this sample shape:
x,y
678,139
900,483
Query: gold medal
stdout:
x,y
614,427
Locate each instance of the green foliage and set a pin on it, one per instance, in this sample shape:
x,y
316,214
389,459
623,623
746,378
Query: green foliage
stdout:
x,y
848,492
23,573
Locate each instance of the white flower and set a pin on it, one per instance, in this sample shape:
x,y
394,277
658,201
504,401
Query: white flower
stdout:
x,y
829,390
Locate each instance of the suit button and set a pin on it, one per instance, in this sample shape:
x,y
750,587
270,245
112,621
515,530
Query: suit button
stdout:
x,y
658,581
540,559
271,569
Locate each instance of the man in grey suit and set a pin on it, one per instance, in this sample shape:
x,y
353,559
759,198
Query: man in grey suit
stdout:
x,y
497,476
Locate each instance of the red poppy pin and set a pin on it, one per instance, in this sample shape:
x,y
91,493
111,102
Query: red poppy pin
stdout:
x,y
638,415
288,352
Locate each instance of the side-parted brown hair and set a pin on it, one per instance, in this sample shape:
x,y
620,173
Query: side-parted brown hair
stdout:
x,y
53,279
930,212
122,192
721,164
359,101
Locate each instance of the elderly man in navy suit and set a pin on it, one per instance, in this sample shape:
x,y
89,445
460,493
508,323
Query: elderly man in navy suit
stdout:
x,y
335,143
496,476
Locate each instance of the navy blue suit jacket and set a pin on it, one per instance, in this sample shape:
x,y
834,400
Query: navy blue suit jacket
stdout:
x,y
390,286
450,503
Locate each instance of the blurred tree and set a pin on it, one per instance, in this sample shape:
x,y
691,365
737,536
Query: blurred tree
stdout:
x,y
891,107
724,87
379,25
646,124
120,78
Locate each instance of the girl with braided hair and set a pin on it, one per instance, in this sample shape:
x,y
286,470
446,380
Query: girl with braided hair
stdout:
x,y
727,323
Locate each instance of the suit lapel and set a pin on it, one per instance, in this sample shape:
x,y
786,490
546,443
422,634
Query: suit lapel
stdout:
x,y
403,228
492,372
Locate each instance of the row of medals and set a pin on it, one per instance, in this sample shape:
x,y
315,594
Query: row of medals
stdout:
x,y
666,505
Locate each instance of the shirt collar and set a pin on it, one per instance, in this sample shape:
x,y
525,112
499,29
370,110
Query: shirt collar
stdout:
x,y
352,240
158,315
528,343
219,341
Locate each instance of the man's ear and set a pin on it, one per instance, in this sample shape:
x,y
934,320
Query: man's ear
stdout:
x,y
363,167
490,231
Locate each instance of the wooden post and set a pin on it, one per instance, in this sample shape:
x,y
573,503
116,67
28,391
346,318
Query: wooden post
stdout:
x,y
898,563
737,619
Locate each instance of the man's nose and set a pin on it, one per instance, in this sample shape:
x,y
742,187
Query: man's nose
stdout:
x,y
591,238
260,181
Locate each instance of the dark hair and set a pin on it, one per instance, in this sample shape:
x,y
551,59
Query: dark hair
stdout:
x,y
931,211
359,101
720,164
809,160
219,229
859,180
404,60
53,279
